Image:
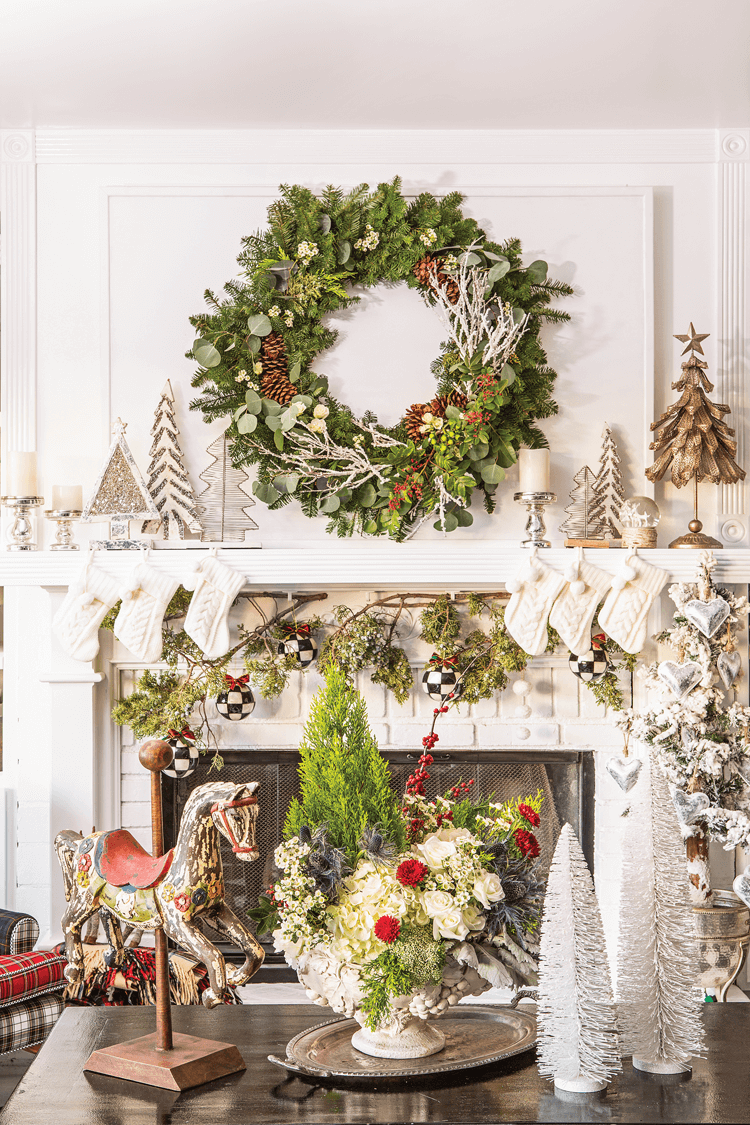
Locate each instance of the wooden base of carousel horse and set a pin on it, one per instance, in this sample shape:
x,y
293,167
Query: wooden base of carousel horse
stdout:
x,y
172,1061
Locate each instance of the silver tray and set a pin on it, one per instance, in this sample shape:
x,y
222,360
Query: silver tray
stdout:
x,y
474,1036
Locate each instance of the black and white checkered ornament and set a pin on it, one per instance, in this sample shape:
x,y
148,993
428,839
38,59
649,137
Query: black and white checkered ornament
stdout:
x,y
440,681
236,703
301,645
186,757
591,665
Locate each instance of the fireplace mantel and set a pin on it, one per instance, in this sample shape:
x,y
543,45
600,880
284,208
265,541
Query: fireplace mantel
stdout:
x,y
461,565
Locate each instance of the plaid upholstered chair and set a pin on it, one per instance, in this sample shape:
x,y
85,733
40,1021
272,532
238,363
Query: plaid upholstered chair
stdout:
x,y
31,984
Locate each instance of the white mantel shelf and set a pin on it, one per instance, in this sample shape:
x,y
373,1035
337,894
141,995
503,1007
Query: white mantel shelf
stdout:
x,y
405,566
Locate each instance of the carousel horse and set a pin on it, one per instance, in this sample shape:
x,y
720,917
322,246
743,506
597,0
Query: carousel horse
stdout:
x,y
111,872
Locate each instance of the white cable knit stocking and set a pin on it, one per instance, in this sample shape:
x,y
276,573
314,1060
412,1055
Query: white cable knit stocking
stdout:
x,y
87,603
623,617
573,612
534,589
144,603
206,622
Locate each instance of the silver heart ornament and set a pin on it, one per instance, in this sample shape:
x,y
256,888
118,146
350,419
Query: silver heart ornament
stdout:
x,y
729,664
741,886
624,771
680,678
689,806
707,616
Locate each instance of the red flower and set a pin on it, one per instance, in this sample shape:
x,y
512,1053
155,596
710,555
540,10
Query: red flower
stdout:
x,y
529,815
182,902
528,844
387,928
84,862
411,872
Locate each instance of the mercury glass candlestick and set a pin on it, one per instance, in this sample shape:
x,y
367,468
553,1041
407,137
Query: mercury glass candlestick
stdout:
x,y
535,529
21,531
64,517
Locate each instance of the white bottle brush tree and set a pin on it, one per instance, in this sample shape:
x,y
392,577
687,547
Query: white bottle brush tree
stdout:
x,y
578,1044
658,1003
168,482
698,730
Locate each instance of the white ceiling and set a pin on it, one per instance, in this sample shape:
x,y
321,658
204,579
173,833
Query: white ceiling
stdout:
x,y
375,63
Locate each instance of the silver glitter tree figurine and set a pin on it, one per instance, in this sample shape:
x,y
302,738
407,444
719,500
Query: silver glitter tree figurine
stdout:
x,y
608,486
120,495
583,524
222,506
168,481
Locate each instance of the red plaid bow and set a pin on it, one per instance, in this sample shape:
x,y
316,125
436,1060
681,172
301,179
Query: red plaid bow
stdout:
x,y
236,682
598,640
290,628
436,661
184,733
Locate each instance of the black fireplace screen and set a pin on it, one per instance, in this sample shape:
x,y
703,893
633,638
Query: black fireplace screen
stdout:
x,y
564,776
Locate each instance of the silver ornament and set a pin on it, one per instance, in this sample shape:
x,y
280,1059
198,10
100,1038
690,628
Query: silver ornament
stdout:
x,y
680,678
741,886
728,665
708,617
689,806
624,771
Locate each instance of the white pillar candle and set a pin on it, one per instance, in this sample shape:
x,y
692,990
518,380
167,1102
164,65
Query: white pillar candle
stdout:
x,y
534,469
67,498
21,474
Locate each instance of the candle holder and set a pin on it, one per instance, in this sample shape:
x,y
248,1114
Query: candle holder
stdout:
x,y
535,528
64,517
21,531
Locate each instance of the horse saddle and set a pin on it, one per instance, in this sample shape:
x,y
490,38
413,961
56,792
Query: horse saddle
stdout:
x,y
120,859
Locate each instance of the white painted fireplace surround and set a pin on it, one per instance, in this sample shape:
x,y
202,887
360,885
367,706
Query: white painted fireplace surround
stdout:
x,y
109,239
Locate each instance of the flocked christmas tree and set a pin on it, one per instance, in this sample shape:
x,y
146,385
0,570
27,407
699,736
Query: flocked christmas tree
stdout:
x,y
583,521
697,728
608,488
578,1042
222,506
658,1005
120,495
168,481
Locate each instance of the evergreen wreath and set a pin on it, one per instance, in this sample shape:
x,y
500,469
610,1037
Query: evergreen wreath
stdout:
x,y
256,351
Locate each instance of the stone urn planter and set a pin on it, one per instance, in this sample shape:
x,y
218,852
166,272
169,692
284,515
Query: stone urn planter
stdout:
x,y
407,1034
723,931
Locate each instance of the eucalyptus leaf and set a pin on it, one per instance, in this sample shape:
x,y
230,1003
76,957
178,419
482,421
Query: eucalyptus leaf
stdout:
x,y
253,344
288,420
254,402
247,423
506,454
271,279
273,421
206,354
292,480
479,452
259,325
330,505
451,523
278,440
238,411
266,493
370,528
497,271
286,482
324,222
304,400
518,315
294,371
271,407
464,517
344,253
366,495
493,474
470,259
494,257
537,271
452,412
508,374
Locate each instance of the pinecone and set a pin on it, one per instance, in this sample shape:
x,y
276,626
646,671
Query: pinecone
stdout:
x,y
274,382
413,420
439,405
427,271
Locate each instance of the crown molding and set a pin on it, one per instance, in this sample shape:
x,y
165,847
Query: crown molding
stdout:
x,y
389,146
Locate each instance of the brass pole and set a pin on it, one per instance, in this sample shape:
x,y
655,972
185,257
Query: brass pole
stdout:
x,y
156,756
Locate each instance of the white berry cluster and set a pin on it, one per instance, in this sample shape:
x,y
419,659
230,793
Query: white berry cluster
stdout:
x,y
428,236
243,377
370,240
306,251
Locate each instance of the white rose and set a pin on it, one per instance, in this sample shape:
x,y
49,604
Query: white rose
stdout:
x,y
320,411
435,851
454,834
437,902
317,426
473,917
487,889
450,925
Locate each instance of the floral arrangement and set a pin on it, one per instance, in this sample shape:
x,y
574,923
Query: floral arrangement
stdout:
x,y
393,886
257,347
702,739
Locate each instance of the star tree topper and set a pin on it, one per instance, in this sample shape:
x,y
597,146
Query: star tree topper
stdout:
x,y
693,340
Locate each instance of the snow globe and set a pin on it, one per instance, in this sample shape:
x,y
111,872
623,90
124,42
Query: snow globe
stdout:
x,y
639,517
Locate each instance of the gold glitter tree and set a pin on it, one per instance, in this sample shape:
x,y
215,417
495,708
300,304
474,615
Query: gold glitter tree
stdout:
x,y
120,495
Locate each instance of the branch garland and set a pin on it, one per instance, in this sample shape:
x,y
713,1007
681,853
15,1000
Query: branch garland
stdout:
x,y
257,347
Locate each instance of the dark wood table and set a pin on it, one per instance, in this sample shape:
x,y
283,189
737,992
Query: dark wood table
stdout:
x,y
56,1091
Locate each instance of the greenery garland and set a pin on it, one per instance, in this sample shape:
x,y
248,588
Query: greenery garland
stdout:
x,y
256,351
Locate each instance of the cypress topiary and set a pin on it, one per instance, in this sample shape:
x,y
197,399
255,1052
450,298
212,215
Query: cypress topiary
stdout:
x,y
345,783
